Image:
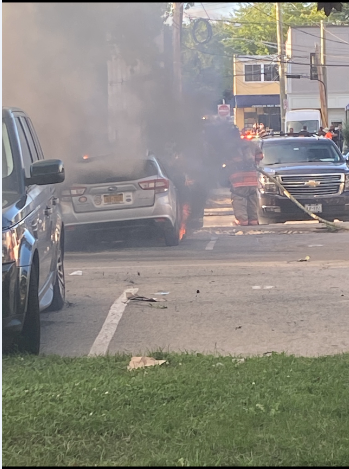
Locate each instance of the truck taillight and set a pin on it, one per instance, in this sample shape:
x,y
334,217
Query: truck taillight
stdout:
x,y
157,185
74,191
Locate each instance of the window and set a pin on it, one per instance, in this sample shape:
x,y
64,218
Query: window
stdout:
x,y
10,182
26,155
262,72
35,138
253,73
7,158
271,72
29,138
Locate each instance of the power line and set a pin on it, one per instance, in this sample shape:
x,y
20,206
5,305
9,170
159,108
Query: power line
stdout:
x,y
295,27
259,59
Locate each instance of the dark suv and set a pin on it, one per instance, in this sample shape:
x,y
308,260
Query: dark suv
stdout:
x,y
313,170
32,233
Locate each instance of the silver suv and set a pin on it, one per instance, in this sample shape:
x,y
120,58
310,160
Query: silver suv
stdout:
x,y
32,233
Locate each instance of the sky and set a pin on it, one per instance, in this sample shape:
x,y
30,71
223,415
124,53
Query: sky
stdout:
x,y
214,10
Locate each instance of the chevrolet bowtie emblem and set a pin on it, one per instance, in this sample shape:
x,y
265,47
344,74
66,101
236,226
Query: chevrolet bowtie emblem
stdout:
x,y
312,183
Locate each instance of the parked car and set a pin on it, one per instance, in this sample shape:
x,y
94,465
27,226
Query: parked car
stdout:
x,y
118,195
313,170
32,233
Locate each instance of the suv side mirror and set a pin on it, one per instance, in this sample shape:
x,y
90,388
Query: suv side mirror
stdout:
x,y
46,172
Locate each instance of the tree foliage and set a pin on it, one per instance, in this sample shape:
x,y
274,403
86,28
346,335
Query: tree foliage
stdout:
x,y
256,32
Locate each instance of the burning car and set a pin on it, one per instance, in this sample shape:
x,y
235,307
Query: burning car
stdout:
x,y
112,195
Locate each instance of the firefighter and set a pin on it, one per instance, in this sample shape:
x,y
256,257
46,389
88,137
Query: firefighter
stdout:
x,y
243,180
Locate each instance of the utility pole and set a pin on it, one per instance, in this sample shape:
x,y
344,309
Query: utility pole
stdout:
x,y
323,63
176,43
281,64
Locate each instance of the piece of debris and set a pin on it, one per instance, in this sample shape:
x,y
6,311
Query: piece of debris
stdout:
x,y
141,362
132,297
138,273
129,281
238,327
306,259
158,306
77,272
238,360
197,291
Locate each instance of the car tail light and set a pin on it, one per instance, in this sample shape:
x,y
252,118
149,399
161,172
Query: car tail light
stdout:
x,y
157,185
74,191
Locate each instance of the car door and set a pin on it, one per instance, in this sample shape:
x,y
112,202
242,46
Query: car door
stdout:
x,y
40,195
52,205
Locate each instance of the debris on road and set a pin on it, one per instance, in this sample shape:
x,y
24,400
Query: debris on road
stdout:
x,y
197,291
158,306
141,362
132,297
238,327
77,272
306,259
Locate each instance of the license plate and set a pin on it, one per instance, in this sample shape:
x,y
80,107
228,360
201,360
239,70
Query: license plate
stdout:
x,y
314,208
113,199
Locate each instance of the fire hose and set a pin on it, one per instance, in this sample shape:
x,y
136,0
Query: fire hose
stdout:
x,y
332,226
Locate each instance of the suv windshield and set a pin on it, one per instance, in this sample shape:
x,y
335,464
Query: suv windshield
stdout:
x,y
310,151
10,186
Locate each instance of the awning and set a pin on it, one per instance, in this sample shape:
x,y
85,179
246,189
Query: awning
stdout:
x,y
347,107
257,100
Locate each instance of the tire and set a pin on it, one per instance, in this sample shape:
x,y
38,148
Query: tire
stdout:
x,y
29,340
172,236
59,286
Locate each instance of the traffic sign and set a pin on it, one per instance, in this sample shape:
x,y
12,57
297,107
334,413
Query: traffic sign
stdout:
x,y
224,110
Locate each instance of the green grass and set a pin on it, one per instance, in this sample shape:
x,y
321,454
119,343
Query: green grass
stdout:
x,y
194,411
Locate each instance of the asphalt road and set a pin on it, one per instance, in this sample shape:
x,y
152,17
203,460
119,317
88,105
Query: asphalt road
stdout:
x,y
228,291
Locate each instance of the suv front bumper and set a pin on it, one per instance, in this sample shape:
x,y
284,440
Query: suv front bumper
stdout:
x,y
276,206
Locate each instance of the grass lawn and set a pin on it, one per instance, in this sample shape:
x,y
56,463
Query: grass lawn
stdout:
x,y
194,411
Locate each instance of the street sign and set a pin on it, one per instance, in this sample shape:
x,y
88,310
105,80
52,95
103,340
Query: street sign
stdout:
x,y
224,110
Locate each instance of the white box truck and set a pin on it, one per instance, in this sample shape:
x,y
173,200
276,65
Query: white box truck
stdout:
x,y
298,118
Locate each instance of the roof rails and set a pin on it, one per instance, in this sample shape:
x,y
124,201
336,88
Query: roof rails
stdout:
x,y
287,134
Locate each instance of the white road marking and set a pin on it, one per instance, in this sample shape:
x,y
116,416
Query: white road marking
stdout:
x,y
315,245
101,344
267,287
77,272
211,244
256,287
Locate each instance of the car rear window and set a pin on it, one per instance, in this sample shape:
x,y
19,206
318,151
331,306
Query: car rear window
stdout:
x,y
299,152
99,171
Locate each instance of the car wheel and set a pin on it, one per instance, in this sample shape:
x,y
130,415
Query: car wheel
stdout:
x,y
29,340
171,235
59,286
